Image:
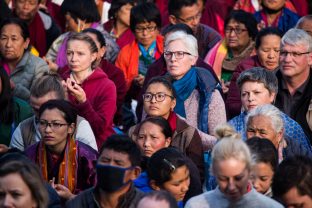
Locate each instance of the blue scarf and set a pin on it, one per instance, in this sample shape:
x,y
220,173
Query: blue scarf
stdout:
x,y
202,80
184,88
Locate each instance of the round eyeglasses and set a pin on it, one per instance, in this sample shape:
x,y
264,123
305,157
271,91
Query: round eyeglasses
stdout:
x,y
159,97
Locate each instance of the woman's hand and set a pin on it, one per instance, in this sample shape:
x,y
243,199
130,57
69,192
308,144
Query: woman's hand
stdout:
x,y
52,65
75,90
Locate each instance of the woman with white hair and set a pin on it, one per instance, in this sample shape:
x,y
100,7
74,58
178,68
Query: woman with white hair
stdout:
x,y
231,165
267,122
198,93
258,87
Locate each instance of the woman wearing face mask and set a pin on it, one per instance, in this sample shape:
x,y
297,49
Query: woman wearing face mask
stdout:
x,y
168,170
258,87
64,162
89,88
267,48
265,162
79,15
231,165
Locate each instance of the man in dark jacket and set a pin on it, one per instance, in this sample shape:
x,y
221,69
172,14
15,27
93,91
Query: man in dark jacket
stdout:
x,y
117,166
295,80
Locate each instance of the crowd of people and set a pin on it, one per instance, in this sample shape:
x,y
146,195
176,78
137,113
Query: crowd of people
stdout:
x,y
155,103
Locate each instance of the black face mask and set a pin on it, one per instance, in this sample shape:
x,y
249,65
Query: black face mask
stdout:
x,y
111,178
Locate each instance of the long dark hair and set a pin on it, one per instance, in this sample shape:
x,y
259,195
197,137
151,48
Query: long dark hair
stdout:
x,y
6,99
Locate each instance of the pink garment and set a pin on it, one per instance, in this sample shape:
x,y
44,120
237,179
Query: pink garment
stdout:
x,y
100,107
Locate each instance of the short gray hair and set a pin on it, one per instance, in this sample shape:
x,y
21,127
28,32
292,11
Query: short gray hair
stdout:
x,y
271,112
189,41
260,75
297,37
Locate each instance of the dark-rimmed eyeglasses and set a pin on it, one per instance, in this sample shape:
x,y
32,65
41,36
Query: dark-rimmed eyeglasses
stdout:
x,y
159,97
236,30
190,19
43,124
148,29
293,54
177,54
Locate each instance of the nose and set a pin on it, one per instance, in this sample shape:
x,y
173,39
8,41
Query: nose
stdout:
x,y
8,42
271,54
146,143
185,186
48,128
7,201
256,184
250,97
231,185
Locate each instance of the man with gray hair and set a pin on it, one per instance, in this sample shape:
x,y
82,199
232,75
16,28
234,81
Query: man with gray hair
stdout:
x,y
295,80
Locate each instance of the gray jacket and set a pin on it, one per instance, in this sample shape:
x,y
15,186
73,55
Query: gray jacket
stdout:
x,y
27,70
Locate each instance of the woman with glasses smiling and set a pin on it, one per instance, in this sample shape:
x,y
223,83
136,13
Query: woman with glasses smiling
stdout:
x,y
64,162
240,31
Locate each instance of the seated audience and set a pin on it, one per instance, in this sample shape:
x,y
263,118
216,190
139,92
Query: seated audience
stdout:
x,y
89,88
167,170
240,32
21,185
267,48
155,199
42,28
12,110
47,87
258,87
21,66
118,165
265,161
231,165
292,182
67,164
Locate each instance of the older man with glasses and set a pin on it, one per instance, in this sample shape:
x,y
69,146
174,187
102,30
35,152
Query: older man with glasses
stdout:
x,y
295,81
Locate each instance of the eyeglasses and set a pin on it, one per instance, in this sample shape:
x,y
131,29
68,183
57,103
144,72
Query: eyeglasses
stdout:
x,y
177,54
53,125
190,19
148,29
236,30
293,54
160,96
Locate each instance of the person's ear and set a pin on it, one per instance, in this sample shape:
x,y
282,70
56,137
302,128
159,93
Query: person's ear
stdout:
x,y
136,172
172,19
154,186
26,43
168,142
272,97
173,104
102,51
93,57
71,128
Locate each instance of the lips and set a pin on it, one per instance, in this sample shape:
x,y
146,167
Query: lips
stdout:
x,y
48,138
